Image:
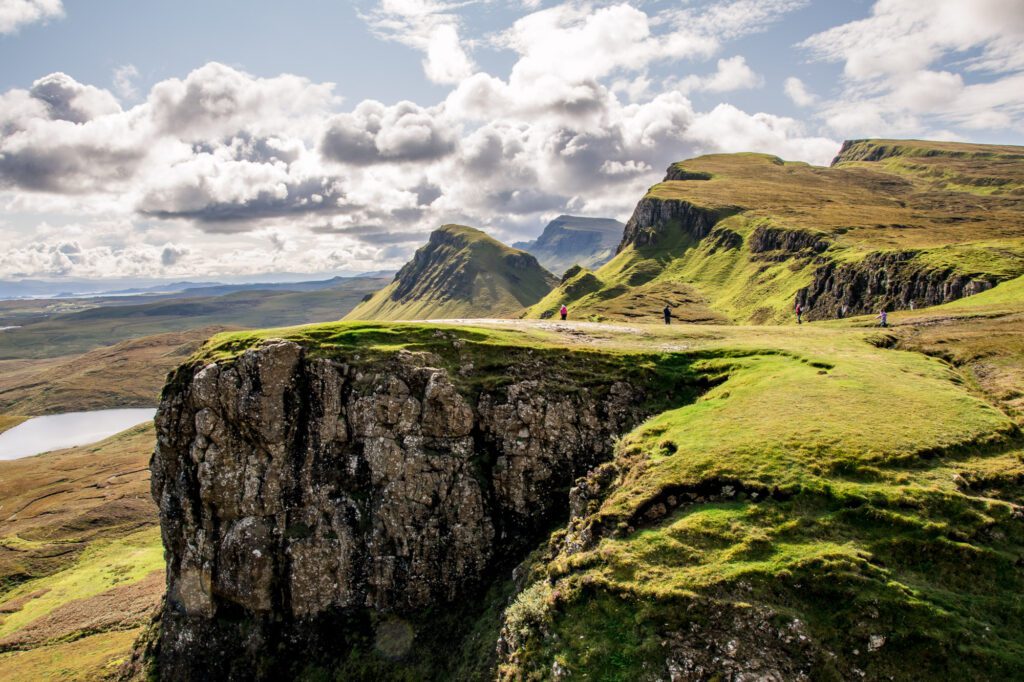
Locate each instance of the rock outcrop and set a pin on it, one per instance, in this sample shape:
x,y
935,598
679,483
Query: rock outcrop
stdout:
x,y
765,238
885,280
299,494
654,218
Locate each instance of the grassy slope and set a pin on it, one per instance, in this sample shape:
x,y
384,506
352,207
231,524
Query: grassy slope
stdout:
x,y
982,335
470,262
79,331
80,558
127,374
902,485
864,490
963,205
9,421
635,285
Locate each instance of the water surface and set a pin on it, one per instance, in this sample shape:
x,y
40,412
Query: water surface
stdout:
x,y
56,431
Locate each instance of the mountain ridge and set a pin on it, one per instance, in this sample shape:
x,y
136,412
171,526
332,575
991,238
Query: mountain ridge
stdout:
x,y
460,272
891,224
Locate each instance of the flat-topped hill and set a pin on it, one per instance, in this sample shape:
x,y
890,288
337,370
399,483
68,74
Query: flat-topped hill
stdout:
x,y
575,240
460,272
876,194
890,224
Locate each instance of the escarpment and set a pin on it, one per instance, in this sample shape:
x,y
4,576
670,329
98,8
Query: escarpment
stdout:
x,y
306,500
885,281
743,237
460,272
654,217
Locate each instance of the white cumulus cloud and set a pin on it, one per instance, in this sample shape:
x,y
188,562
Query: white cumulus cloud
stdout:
x,y
17,13
897,66
797,91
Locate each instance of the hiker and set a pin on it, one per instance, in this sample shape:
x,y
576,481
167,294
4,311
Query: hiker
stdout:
x,y
799,314
564,312
884,317
667,312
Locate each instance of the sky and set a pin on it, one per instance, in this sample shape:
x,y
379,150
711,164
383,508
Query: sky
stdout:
x,y
241,137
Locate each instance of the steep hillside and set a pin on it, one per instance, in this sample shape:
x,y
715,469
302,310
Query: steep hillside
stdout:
x,y
893,224
81,564
729,502
573,240
126,374
461,272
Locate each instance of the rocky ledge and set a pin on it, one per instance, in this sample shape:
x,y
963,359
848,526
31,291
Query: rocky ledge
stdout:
x,y
303,497
654,219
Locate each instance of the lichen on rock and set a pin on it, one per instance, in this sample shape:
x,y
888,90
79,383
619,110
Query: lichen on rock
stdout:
x,y
296,491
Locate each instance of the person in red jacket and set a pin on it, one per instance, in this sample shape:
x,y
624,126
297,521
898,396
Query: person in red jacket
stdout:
x,y
564,312
799,314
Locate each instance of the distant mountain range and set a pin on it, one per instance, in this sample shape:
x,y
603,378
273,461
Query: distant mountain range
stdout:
x,y
78,287
43,328
573,240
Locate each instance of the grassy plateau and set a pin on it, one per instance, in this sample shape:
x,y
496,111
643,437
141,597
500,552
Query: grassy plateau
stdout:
x,y
840,482
946,208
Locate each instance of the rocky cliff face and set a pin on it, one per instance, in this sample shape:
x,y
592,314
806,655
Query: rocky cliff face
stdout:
x,y
884,280
654,218
789,242
303,497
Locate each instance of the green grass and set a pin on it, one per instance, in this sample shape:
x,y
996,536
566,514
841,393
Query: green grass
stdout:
x,y
954,208
461,272
75,524
1009,293
102,566
862,480
88,659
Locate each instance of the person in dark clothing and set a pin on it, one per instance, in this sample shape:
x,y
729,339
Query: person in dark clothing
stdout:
x,y
667,312
799,314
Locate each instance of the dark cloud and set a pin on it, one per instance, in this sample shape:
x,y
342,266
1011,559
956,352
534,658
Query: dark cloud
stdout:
x,y
170,255
426,193
527,200
69,168
312,196
376,235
